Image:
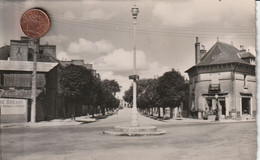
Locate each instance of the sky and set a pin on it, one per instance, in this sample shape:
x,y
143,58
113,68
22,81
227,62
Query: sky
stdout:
x,y
101,32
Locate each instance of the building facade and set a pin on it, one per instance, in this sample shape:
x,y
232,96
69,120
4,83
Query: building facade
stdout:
x,y
16,68
223,79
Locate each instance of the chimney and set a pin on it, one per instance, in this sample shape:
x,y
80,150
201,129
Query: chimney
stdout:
x,y
242,49
197,51
203,51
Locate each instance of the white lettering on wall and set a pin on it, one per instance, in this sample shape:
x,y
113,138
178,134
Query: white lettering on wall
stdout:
x,y
13,106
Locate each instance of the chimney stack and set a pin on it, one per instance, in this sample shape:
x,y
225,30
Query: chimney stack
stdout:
x,y
197,51
203,51
242,49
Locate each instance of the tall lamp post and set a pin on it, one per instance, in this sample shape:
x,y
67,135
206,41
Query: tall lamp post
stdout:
x,y
134,121
135,129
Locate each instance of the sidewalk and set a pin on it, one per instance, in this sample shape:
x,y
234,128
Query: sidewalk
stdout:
x,y
52,123
191,120
122,118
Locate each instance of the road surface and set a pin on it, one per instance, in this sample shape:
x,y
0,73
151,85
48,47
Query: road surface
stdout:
x,y
187,141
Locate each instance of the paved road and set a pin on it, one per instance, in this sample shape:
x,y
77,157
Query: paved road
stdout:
x,y
202,141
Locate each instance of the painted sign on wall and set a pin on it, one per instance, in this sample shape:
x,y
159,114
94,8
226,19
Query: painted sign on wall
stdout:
x,y
13,106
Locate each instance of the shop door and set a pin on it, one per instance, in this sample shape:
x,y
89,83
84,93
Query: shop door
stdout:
x,y
245,105
223,107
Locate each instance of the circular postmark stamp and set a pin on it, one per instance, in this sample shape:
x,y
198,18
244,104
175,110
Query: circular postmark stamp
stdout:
x,y
35,23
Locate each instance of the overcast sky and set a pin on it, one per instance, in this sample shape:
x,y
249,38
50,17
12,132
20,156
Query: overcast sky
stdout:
x,y
101,31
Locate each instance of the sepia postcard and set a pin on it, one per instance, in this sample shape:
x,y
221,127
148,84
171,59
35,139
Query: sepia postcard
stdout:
x,y
128,79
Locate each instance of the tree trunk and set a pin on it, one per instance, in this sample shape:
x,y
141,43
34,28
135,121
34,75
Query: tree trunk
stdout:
x,y
176,110
159,112
73,111
164,112
97,110
88,110
103,111
64,112
93,111
171,112
63,108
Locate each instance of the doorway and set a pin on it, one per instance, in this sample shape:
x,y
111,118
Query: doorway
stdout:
x,y
223,107
210,106
246,106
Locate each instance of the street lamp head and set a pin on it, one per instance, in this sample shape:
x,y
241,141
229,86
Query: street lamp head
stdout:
x,y
216,96
135,11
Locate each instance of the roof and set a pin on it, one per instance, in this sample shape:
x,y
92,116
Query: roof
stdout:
x,y
26,66
221,53
65,63
246,55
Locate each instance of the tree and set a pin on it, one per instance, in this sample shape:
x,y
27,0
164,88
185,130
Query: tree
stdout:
x,y
104,95
111,85
128,96
171,89
152,96
76,82
142,85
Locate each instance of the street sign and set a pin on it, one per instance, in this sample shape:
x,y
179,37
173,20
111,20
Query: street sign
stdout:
x,y
134,77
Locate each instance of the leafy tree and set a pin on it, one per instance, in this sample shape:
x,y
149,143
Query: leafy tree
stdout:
x,y
149,98
111,85
171,89
142,85
128,96
103,95
152,96
77,82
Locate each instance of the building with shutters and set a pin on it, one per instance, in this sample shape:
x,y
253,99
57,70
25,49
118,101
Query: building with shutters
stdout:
x,y
223,78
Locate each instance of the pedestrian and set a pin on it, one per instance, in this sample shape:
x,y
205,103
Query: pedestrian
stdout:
x,y
217,116
180,110
205,115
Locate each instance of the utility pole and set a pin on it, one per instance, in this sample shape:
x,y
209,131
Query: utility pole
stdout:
x,y
34,45
35,23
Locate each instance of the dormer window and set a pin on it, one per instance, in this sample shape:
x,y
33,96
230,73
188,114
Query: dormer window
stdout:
x,y
252,61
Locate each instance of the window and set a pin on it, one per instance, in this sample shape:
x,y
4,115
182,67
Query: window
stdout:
x,y
245,81
1,79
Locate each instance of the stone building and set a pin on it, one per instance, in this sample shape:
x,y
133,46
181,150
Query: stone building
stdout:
x,y
80,62
16,81
15,91
222,78
19,50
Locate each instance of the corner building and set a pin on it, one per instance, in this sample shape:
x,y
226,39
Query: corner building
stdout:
x,y
223,78
16,68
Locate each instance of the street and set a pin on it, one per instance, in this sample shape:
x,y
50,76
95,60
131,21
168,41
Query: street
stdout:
x,y
202,141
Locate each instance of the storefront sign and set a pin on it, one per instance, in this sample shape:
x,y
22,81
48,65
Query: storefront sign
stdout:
x,y
13,106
